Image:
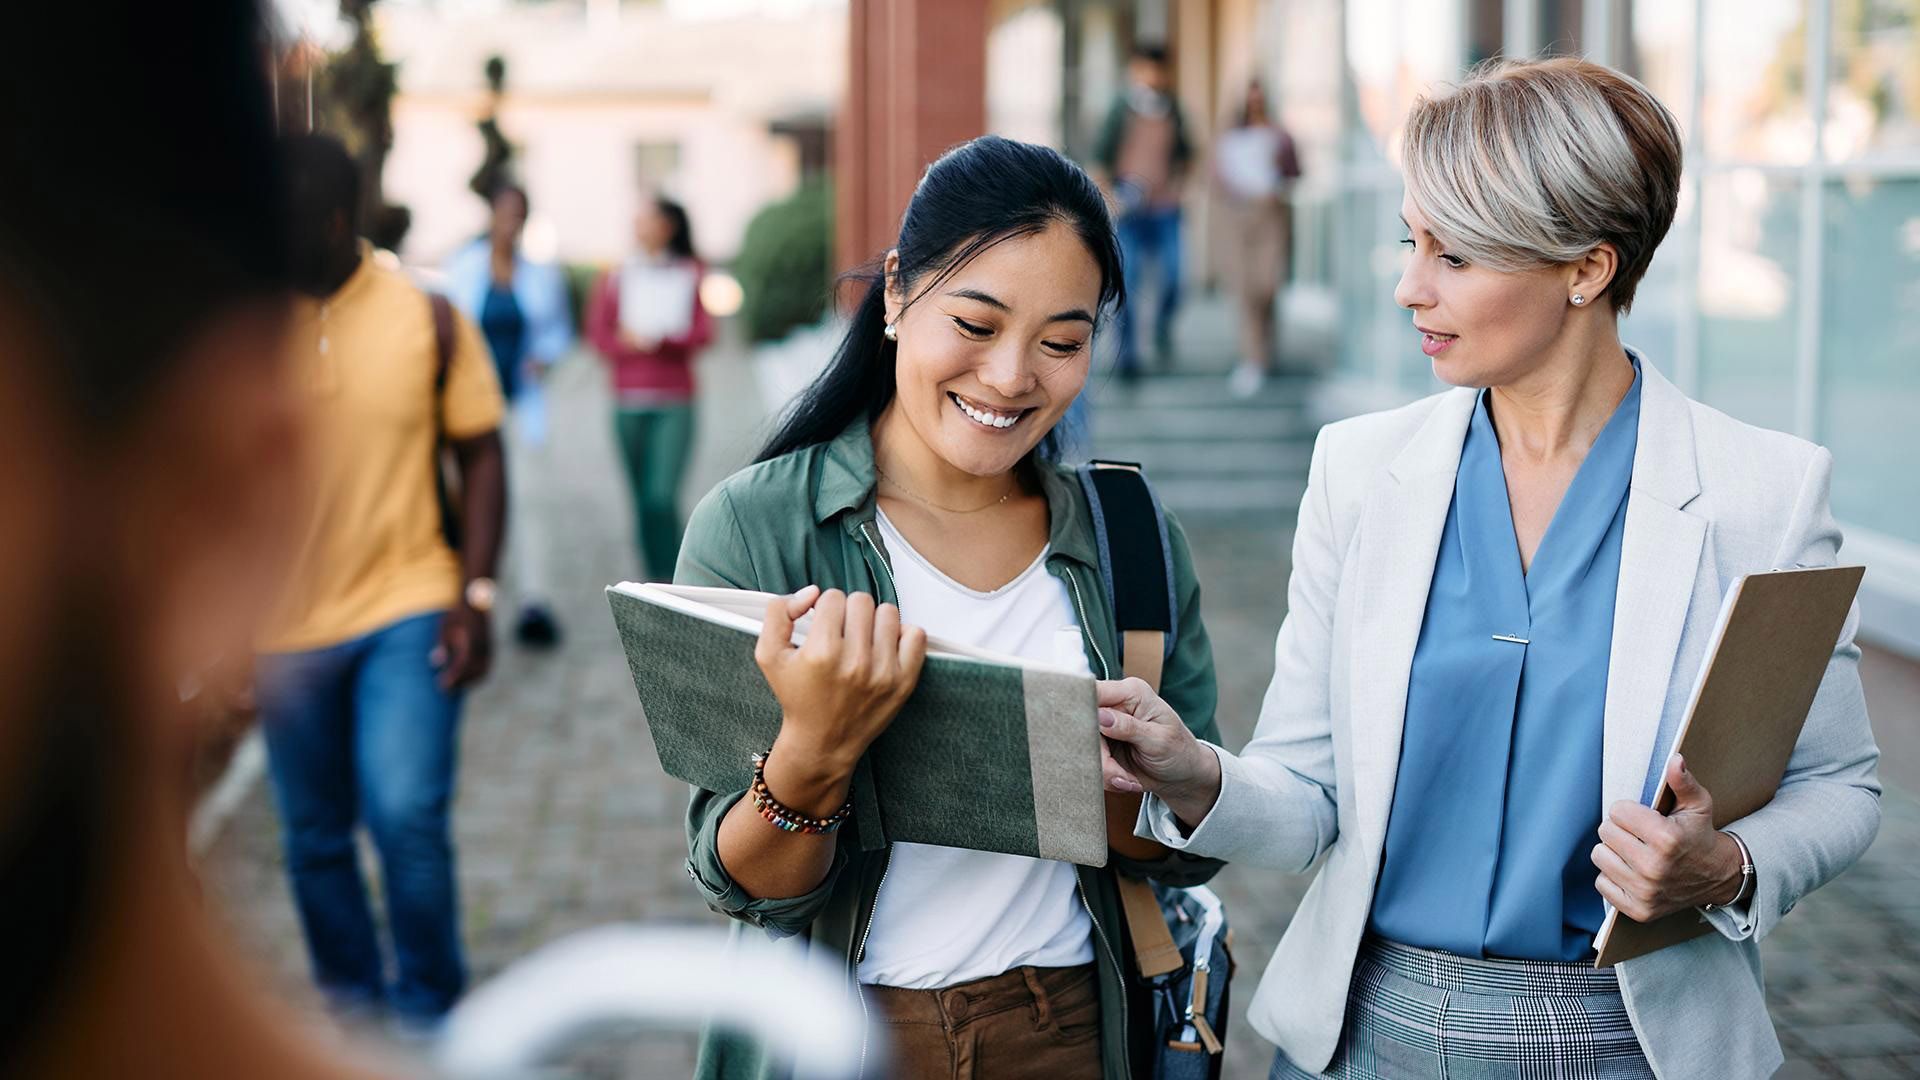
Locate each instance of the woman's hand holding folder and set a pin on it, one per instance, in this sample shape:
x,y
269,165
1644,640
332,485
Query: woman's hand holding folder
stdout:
x,y
1147,747
1653,864
838,691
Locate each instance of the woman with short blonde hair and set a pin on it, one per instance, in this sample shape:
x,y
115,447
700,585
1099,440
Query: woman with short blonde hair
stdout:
x,y
1501,598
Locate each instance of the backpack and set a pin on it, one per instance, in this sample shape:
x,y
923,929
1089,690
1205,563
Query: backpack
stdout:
x,y
446,468
1181,943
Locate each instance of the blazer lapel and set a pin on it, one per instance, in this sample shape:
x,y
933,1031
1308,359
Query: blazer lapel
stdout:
x,y
1401,522
1659,560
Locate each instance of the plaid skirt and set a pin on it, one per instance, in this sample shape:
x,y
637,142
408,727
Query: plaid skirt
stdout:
x,y
1414,1014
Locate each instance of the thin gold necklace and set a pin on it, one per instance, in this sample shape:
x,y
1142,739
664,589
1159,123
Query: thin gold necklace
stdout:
x,y
1013,486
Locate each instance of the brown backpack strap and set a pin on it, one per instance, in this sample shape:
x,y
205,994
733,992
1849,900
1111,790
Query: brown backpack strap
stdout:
x,y
442,340
1153,949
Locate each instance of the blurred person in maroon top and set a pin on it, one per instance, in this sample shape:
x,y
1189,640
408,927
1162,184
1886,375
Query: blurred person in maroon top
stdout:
x,y
646,318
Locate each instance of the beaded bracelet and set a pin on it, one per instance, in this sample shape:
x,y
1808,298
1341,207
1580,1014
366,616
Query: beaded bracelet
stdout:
x,y
782,816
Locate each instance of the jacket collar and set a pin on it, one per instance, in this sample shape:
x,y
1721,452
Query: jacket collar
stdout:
x,y
1664,463
847,480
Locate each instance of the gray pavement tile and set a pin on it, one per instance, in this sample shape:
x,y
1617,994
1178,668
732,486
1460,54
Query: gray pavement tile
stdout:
x,y
1874,1039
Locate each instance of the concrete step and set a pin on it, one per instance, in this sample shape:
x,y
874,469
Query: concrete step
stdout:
x,y
1168,460
1211,390
1231,495
1198,423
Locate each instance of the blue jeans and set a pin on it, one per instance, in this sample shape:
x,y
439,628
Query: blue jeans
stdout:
x,y
1148,235
362,732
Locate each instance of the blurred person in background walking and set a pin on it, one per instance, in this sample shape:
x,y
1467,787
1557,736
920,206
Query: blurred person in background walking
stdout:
x,y
522,308
1254,165
151,437
382,624
1141,159
646,318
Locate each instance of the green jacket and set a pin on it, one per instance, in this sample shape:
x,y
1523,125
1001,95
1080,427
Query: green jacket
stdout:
x,y
807,518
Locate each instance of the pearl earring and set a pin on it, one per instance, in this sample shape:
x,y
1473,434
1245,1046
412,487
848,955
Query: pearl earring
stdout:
x,y
1578,299
892,331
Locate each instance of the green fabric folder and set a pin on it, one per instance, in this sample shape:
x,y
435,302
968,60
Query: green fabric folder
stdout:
x,y
991,752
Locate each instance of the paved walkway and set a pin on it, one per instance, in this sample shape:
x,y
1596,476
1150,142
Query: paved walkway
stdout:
x,y
565,822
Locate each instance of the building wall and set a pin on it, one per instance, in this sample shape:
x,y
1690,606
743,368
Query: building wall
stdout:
x,y
582,163
602,106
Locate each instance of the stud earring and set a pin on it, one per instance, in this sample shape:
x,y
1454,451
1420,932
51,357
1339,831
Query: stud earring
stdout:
x,y
1578,299
892,331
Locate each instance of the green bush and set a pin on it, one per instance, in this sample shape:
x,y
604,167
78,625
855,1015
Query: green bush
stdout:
x,y
785,265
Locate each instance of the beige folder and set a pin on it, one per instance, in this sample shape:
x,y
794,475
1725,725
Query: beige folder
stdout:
x,y
1776,633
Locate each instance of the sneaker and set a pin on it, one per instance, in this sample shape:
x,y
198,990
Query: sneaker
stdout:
x,y
537,627
1246,381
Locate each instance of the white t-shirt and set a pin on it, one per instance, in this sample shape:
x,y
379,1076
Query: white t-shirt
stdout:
x,y
948,915
1248,161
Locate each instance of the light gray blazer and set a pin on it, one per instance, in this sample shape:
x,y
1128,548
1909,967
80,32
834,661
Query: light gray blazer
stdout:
x,y
1711,499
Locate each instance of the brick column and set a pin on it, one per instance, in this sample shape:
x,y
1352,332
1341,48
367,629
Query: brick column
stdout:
x,y
916,84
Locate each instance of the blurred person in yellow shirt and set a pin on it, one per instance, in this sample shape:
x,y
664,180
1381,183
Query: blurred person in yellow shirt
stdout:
x,y
383,623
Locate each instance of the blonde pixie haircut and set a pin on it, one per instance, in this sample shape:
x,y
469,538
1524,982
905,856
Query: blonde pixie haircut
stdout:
x,y
1525,165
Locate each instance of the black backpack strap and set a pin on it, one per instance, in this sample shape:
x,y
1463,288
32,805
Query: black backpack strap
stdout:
x,y
1136,564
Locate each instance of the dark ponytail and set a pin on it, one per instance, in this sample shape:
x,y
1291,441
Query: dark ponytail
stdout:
x,y
976,195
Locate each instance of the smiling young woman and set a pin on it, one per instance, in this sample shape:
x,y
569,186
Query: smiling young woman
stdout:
x,y
915,483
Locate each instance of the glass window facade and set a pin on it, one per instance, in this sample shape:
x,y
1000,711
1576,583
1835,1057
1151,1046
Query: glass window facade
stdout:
x,y
1787,293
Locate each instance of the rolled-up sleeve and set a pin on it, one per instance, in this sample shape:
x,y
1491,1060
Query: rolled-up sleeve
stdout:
x,y
780,917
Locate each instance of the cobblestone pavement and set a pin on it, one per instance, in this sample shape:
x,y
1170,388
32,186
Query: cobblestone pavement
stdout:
x,y
565,822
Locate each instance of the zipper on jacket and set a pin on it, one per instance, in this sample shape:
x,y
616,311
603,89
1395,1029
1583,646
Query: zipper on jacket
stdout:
x,y
1073,585
866,929
886,567
1120,973
859,954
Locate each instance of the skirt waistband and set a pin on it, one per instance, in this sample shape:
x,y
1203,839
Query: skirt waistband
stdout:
x,y
1447,971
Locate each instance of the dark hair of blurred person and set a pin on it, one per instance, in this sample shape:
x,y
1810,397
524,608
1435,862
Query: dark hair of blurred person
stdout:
x,y
509,209
323,193
148,435
679,228
976,196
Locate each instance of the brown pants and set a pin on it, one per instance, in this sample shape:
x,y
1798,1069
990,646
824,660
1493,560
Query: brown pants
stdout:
x,y
1258,240
1027,1022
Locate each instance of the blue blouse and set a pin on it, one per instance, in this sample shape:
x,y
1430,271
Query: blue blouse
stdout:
x,y
505,328
1497,802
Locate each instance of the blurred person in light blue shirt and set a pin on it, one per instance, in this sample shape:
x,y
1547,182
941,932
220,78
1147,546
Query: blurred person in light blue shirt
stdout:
x,y
521,306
